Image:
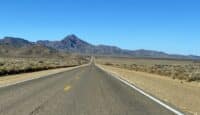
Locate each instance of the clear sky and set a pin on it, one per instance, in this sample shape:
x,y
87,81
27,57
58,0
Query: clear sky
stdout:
x,y
172,26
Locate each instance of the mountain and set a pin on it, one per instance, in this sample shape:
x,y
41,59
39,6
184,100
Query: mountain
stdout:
x,y
73,44
15,42
18,47
158,54
11,46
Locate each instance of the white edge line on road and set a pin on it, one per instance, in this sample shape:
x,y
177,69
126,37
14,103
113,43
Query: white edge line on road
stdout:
x,y
70,68
142,92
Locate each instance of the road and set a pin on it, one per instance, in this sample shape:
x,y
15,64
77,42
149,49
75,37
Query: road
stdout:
x,y
82,91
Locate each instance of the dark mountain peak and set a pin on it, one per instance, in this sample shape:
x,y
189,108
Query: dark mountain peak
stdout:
x,y
74,41
14,41
70,43
71,37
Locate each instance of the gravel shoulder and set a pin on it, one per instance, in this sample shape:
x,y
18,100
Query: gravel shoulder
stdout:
x,y
184,95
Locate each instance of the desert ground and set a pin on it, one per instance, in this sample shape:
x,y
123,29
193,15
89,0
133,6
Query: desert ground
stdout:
x,y
188,70
177,89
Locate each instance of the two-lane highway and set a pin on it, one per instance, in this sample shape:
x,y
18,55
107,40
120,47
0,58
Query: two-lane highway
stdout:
x,y
82,91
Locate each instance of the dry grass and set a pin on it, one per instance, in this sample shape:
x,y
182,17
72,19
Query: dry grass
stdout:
x,y
177,69
13,65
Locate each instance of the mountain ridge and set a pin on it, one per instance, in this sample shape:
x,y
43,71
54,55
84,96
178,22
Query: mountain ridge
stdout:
x,y
19,47
74,44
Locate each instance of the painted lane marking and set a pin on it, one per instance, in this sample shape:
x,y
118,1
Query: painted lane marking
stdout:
x,y
142,92
67,88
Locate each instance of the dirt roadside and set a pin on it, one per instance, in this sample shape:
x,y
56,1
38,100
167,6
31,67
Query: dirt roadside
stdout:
x,y
183,95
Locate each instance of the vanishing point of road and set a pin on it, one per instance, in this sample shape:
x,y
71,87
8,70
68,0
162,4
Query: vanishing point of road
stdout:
x,y
83,91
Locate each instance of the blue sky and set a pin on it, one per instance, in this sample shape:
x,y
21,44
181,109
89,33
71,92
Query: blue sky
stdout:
x,y
172,26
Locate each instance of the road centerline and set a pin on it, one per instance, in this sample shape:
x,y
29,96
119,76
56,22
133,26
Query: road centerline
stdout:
x,y
67,88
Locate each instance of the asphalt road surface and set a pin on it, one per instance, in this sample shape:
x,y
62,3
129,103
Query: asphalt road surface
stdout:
x,y
82,91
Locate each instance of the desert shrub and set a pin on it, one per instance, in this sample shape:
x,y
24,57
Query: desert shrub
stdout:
x,y
134,67
41,61
1,71
2,63
107,63
128,66
194,77
182,72
19,65
117,65
167,73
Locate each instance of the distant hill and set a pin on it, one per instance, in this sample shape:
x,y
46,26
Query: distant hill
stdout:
x,y
15,42
73,44
18,47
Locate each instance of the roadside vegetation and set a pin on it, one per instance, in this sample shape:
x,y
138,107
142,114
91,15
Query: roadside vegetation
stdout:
x,y
176,69
13,65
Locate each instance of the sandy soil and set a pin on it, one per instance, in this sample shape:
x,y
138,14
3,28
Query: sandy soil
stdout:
x,y
13,79
181,94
